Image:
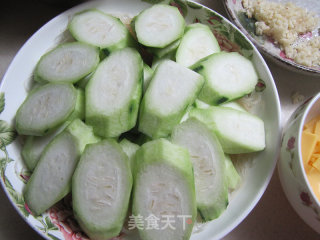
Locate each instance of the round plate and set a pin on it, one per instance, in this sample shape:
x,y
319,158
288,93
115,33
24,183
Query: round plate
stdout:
x,y
58,222
237,14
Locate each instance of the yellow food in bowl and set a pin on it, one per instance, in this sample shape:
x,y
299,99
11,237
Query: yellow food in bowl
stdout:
x,y
310,149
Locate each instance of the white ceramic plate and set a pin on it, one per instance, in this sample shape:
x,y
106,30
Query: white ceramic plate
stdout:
x,y
58,222
236,11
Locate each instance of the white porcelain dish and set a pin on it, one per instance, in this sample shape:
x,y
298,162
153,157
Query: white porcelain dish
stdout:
x,y
58,222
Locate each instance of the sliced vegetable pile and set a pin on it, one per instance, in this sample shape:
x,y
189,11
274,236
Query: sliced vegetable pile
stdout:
x,y
106,124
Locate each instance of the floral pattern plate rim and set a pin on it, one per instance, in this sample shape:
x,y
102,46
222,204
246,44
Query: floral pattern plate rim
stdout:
x,y
58,222
235,12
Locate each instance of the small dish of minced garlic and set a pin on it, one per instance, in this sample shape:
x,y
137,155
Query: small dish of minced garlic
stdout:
x,y
286,30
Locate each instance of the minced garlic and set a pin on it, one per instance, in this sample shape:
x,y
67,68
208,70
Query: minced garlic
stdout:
x,y
284,22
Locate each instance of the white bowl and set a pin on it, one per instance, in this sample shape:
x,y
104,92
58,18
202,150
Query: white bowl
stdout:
x,y
290,167
58,222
